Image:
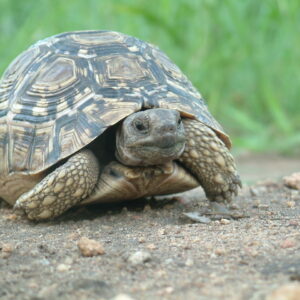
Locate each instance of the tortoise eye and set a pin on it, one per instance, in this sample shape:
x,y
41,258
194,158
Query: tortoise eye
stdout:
x,y
140,126
179,121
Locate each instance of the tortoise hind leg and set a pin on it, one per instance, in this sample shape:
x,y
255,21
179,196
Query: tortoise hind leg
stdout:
x,y
65,187
208,159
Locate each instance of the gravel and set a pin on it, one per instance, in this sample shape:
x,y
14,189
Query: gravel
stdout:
x,y
157,252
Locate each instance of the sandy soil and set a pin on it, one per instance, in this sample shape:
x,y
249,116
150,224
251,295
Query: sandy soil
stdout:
x,y
153,251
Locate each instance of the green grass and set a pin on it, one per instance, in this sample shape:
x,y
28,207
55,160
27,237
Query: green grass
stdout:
x,y
243,56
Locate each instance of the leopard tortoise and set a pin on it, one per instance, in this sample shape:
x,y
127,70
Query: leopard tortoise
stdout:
x,y
100,116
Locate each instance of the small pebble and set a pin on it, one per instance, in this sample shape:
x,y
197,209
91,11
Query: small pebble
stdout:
x,y
288,243
139,257
189,262
162,231
263,206
169,290
208,246
90,247
68,261
44,261
220,251
166,291
169,261
33,285
122,297
291,204
63,267
142,240
289,291
251,252
256,203
34,252
224,221
257,190
292,181
151,247
294,223
234,206
6,250
186,246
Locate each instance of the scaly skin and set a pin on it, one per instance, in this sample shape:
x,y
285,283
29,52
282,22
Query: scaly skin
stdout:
x,y
207,158
65,187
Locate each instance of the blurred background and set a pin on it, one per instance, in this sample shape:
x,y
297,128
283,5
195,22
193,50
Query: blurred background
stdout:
x,y
243,56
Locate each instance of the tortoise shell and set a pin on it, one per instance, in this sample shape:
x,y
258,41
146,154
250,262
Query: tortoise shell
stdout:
x,y
64,91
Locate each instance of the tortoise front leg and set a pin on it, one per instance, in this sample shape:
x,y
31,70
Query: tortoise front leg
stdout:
x,y
208,159
63,188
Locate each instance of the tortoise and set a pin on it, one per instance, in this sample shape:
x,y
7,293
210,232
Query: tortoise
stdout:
x,y
100,116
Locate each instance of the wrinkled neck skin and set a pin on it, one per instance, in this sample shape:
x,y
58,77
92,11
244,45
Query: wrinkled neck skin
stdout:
x,y
150,137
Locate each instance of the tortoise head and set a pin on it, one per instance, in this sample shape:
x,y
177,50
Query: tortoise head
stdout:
x,y
150,137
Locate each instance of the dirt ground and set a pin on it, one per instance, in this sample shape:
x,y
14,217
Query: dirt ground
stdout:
x,y
154,251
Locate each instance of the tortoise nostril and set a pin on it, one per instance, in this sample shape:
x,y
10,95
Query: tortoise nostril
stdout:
x,y
167,141
168,128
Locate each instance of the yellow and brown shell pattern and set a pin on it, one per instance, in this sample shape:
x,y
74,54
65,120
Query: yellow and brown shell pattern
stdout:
x,y
64,91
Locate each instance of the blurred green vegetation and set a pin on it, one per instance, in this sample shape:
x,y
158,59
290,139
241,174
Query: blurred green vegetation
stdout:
x,y
243,56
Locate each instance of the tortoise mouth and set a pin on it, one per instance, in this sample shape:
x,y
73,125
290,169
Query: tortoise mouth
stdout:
x,y
163,142
154,154
164,148
150,154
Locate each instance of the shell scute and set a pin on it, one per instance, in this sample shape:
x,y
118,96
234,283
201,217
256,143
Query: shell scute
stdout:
x,y
54,77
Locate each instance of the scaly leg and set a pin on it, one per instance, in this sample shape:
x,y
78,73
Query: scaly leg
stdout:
x,y
63,188
208,159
